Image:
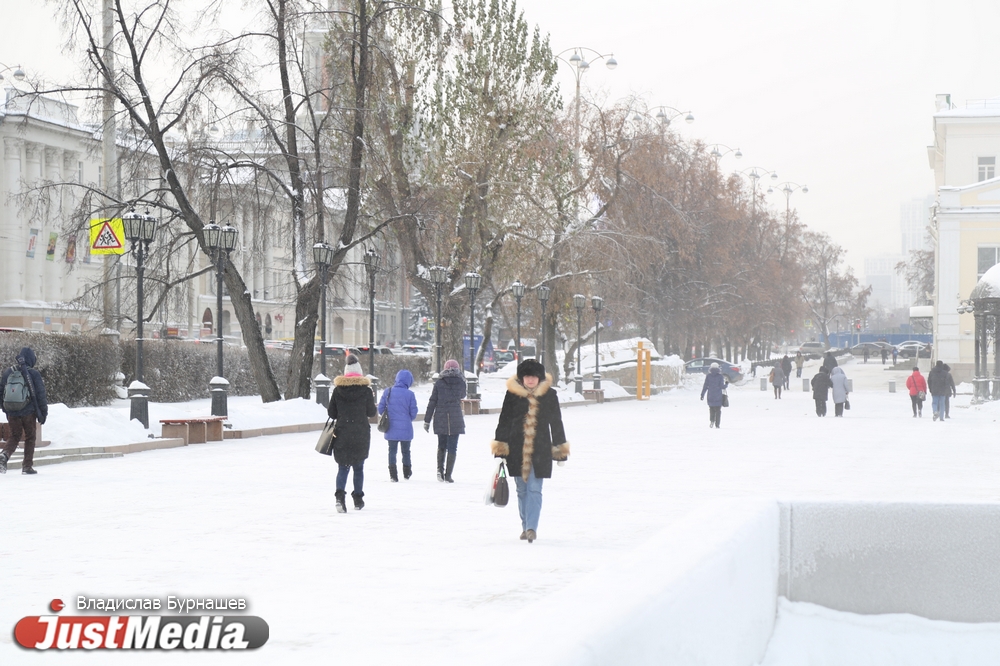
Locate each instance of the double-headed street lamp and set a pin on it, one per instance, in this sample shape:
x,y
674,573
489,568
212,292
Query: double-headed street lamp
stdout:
x,y
472,282
579,302
18,74
439,276
139,229
543,297
788,188
323,256
718,154
597,303
221,241
518,288
664,115
371,265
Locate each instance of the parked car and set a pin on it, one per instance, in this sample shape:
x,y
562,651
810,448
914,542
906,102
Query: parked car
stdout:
x,y
502,357
702,365
363,349
812,349
914,348
874,349
414,348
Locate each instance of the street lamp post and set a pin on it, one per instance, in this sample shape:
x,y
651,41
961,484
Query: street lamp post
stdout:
x,y
543,297
579,302
439,276
323,256
371,265
472,282
597,303
518,288
788,188
222,241
139,230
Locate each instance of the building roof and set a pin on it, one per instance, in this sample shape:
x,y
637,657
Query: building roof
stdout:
x,y
977,108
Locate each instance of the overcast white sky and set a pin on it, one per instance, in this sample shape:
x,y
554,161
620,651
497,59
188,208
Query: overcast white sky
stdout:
x,y
835,95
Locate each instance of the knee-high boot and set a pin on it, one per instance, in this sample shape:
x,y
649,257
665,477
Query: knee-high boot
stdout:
x,y
441,453
449,468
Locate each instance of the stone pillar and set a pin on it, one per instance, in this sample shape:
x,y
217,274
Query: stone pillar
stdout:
x,y
33,271
52,272
979,390
69,280
14,260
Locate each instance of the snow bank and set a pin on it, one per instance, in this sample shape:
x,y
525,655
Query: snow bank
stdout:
x,y
701,591
618,351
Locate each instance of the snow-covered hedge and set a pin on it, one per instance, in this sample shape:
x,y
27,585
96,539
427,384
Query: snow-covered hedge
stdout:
x,y
78,370
386,367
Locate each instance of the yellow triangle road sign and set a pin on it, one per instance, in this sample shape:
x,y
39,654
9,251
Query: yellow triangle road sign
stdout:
x,y
107,236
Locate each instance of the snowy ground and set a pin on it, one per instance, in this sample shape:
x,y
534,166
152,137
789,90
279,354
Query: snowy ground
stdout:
x,y
425,565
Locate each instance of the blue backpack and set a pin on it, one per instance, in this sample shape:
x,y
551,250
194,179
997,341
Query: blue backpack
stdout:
x,y
16,395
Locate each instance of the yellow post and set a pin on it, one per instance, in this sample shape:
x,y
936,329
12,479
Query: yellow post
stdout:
x,y
638,372
643,373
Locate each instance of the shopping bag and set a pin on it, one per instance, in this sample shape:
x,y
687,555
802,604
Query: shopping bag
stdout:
x,y
325,443
488,497
725,399
921,395
383,420
501,489
847,404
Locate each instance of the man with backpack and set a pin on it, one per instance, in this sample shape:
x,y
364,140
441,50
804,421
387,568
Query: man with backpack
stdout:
x,y
24,403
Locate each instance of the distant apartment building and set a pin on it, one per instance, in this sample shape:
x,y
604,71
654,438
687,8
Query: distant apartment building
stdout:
x,y
889,288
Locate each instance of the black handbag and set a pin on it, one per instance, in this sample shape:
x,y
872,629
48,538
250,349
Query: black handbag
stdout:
x,y
501,489
847,404
383,419
725,399
325,443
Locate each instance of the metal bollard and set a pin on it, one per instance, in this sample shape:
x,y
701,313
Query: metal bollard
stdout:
x,y
763,383
806,387
850,386
892,386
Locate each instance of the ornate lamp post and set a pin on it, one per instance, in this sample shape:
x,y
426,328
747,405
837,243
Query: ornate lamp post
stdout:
x,y
371,265
664,115
518,288
472,282
579,302
543,297
222,241
439,276
718,154
597,303
18,73
323,256
788,188
140,231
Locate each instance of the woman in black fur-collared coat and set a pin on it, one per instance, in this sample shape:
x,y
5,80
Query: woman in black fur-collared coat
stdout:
x,y
351,404
530,436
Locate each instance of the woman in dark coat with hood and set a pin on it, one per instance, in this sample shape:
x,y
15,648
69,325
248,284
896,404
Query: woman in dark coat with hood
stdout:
x,y
402,407
715,387
352,403
445,409
530,436
821,386
23,420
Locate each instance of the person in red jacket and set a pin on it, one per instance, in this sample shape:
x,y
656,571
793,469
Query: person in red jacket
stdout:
x,y
918,391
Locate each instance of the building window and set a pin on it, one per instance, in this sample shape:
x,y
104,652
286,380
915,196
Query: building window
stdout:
x,y
987,168
988,257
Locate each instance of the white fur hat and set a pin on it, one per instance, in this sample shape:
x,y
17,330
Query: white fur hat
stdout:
x,y
714,365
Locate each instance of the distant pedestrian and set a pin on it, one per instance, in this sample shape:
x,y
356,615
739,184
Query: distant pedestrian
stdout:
x,y
917,386
23,394
530,436
786,369
953,393
829,362
885,355
445,409
865,353
821,386
352,403
777,378
895,354
715,386
800,360
937,384
838,382
401,405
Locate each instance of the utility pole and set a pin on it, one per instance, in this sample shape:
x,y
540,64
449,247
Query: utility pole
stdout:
x,y
110,150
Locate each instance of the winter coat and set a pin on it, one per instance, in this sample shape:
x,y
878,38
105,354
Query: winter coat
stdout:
x,y
530,430
402,406
937,381
445,405
951,384
820,386
786,366
352,403
799,361
916,383
715,384
777,376
839,382
829,362
38,405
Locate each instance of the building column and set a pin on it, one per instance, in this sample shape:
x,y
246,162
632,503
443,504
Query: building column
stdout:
x,y
52,282
35,266
13,257
69,280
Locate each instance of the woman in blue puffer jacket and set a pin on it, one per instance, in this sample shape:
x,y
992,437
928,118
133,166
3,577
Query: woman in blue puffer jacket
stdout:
x,y
445,410
402,407
715,386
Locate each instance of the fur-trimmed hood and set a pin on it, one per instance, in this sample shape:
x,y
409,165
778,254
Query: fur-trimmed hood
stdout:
x,y
519,390
341,380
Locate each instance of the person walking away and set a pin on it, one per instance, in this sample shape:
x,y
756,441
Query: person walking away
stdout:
x,y
829,362
865,351
529,436
838,382
786,369
800,360
895,353
821,386
714,386
952,393
937,384
352,403
918,390
445,408
24,403
777,380
401,405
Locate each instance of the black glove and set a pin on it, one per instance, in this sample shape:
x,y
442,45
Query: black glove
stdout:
x,y
427,426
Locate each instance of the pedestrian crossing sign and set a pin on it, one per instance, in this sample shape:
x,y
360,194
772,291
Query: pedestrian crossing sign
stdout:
x,y
107,236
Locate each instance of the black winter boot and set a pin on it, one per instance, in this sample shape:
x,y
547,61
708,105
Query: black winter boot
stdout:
x,y
441,453
358,502
341,507
449,468
3,462
392,473
407,471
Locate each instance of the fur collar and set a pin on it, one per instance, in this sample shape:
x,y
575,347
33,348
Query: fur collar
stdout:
x,y
341,380
518,389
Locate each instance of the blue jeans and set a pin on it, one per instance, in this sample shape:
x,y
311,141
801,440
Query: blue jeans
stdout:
x,y
392,452
937,403
529,500
449,442
359,477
